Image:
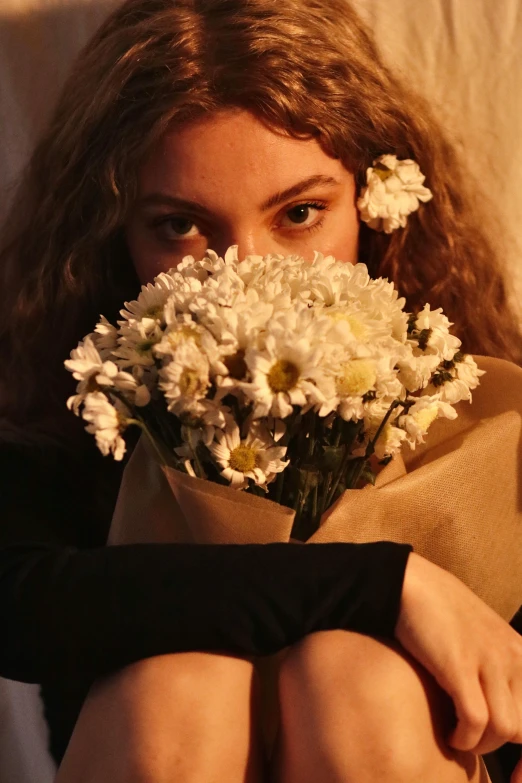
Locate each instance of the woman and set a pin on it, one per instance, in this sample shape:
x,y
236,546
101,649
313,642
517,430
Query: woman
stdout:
x,y
188,125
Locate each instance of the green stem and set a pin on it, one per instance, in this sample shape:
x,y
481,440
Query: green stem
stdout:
x,y
356,472
199,471
311,434
279,487
198,467
302,496
314,505
326,489
340,473
338,433
371,445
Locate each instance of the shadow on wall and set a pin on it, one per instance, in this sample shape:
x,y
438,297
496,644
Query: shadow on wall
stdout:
x,y
37,48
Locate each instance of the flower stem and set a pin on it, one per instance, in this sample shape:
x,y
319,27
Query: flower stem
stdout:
x,y
314,505
280,480
371,445
311,435
326,491
191,439
302,497
340,472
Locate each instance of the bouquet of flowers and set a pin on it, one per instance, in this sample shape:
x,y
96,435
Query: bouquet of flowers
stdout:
x,y
289,380
288,401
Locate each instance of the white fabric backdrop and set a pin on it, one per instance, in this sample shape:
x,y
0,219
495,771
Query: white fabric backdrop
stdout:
x,y
464,55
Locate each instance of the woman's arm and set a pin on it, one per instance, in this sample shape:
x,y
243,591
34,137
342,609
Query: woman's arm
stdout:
x,y
81,614
75,610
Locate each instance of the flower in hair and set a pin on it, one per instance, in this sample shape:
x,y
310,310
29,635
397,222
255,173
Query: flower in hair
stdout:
x,y
393,191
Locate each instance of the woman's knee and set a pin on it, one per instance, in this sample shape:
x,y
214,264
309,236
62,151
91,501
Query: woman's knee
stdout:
x,y
192,674
365,699
374,675
189,712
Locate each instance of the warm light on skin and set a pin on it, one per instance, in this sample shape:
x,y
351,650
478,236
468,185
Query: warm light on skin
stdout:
x,y
229,180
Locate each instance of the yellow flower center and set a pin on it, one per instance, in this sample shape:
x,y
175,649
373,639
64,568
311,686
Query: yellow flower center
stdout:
x,y
382,171
191,383
236,365
283,376
357,377
426,417
359,330
145,346
386,439
154,312
243,458
185,332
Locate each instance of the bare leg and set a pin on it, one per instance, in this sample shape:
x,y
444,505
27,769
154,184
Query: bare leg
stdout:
x,y
183,718
357,709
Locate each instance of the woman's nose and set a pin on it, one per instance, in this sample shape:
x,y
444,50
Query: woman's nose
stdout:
x,y
248,241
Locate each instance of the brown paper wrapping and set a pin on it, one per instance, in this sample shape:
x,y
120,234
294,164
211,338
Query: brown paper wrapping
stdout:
x,y
457,499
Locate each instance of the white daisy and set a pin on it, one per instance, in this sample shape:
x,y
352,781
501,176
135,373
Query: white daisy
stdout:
x,y
185,288
355,378
136,342
452,390
94,375
281,375
254,457
390,441
105,337
185,379
393,191
415,371
453,380
466,370
200,423
421,416
105,423
431,333
151,300
179,330
360,380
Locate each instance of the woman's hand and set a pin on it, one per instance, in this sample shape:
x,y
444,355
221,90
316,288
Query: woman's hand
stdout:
x,y
474,655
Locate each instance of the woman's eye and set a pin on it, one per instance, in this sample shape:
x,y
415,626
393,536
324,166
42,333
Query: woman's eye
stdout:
x,y
177,228
302,215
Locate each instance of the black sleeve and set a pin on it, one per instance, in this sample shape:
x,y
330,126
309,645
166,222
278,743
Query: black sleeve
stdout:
x,y
69,612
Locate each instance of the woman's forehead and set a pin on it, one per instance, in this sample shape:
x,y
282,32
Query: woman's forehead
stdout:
x,y
233,150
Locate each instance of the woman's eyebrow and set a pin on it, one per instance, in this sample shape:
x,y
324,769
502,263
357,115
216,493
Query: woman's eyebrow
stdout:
x,y
297,189
165,200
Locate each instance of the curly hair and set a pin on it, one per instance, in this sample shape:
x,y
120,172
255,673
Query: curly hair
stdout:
x,y
308,69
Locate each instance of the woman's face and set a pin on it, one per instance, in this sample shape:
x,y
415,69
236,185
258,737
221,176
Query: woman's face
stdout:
x,y
229,180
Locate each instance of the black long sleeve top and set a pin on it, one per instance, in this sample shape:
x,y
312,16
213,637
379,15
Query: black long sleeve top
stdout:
x,y
72,609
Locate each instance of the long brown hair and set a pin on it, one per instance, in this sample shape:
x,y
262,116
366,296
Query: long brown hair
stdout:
x,y
309,69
